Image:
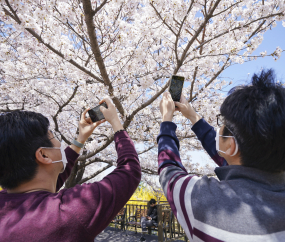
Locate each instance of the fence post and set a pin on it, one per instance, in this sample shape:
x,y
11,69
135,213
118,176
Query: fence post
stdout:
x,y
160,228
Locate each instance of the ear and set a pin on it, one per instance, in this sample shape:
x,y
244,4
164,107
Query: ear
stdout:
x,y
232,147
42,156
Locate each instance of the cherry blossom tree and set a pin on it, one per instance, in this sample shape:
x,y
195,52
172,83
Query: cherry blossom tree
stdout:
x,y
58,57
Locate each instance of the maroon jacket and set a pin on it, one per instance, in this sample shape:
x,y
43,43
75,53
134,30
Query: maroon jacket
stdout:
x,y
74,214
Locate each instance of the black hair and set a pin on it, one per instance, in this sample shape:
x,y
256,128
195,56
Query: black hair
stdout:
x,y
152,201
22,133
256,115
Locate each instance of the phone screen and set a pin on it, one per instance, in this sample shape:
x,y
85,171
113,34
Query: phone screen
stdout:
x,y
175,88
95,113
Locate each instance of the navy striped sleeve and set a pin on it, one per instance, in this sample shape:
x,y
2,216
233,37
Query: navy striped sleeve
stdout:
x,y
168,146
173,177
207,135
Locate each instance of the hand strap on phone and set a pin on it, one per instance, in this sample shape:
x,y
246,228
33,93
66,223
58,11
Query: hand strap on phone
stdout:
x,y
78,144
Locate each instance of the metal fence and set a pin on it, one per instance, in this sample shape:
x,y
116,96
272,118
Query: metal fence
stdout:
x,y
168,227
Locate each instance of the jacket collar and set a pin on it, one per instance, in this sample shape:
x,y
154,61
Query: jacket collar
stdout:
x,y
271,180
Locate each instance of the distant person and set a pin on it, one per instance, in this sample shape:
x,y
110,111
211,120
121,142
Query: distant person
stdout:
x,y
34,166
247,201
151,218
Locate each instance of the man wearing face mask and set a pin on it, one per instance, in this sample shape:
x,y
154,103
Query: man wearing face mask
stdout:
x,y
246,202
34,166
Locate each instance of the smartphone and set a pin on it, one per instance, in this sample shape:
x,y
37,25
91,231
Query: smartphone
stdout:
x,y
95,113
175,87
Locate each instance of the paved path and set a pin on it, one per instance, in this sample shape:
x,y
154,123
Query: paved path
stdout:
x,y
116,235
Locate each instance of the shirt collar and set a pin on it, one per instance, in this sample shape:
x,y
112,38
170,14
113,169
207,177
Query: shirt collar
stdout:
x,y
273,180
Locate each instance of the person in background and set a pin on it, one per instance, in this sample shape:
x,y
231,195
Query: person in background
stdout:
x,y
246,202
151,218
34,166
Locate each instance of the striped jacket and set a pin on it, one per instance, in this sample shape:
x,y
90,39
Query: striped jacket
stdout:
x,y
243,204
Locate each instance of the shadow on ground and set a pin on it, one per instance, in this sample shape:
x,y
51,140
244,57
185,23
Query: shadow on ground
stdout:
x,y
112,235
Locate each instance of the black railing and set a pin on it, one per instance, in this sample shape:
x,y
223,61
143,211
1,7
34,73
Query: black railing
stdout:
x,y
168,227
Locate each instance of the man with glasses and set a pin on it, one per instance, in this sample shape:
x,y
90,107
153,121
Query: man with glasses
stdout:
x,y
246,202
34,166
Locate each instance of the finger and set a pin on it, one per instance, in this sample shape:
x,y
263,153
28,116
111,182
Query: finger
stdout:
x,y
88,120
99,122
169,98
168,95
178,104
107,100
83,115
102,109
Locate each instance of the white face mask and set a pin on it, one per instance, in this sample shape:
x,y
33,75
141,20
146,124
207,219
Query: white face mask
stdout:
x,y
218,143
63,156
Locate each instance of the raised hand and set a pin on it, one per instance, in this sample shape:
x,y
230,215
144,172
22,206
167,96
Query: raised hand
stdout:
x,y
167,107
111,115
187,110
86,127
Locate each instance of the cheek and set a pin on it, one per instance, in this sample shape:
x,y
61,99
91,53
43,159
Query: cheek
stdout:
x,y
58,155
55,143
222,142
55,155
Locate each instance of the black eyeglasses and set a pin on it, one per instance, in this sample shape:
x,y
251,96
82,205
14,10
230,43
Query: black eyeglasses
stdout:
x,y
220,120
56,135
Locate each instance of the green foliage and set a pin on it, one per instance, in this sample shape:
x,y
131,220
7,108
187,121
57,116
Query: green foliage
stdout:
x,y
144,192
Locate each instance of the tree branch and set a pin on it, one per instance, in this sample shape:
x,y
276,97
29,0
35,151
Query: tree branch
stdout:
x,y
89,14
236,28
95,174
163,20
39,38
212,79
146,150
130,117
59,111
202,26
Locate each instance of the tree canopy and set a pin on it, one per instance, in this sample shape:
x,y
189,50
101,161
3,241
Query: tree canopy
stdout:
x,y
58,57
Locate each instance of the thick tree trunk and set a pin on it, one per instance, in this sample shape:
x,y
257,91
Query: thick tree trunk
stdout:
x,y
76,173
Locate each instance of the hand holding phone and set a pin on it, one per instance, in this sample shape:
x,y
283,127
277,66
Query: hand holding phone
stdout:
x,y
95,113
167,107
86,128
187,110
110,114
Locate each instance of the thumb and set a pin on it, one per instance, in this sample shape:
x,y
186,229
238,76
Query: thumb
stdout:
x,y
102,109
178,104
98,123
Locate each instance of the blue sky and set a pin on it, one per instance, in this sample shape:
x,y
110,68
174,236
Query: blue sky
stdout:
x,y
271,39
239,73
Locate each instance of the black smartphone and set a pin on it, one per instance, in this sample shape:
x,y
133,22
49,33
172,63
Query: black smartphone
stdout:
x,y
95,113
175,87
